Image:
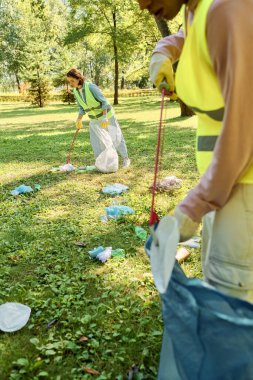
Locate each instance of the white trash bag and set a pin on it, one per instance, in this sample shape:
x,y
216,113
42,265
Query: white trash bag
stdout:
x,y
163,254
108,160
13,316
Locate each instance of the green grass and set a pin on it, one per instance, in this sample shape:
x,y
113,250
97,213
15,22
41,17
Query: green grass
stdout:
x,y
115,305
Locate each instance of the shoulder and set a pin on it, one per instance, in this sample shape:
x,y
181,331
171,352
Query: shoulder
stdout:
x,y
93,86
230,22
231,10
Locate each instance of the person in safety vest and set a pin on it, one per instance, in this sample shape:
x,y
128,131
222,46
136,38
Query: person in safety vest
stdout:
x,y
93,103
215,78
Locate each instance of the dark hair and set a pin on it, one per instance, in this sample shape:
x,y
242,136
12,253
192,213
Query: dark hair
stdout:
x,y
74,73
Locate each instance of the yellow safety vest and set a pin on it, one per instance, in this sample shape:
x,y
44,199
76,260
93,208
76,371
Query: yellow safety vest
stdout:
x,y
198,86
92,107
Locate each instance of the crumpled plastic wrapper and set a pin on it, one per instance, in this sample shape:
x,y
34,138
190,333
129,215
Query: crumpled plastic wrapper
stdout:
x,y
169,183
67,168
114,189
22,189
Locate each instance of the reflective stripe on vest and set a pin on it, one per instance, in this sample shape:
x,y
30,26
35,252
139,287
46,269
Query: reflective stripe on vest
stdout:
x,y
198,86
206,143
92,107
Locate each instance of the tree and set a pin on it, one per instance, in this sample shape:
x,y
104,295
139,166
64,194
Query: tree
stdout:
x,y
47,55
39,89
119,26
31,38
13,40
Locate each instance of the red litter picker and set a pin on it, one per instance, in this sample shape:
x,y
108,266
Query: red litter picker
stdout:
x,y
72,146
154,219
68,167
159,151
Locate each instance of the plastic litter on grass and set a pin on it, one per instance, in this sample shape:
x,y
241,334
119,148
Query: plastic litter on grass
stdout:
x,y
22,189
182,254
37,186
66,168
114,189
86,169
141,233
118,253
169,183
103,254
191,243
115,212
13,316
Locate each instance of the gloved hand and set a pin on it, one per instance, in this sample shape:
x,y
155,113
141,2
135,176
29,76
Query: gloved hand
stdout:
x,y
161,70
79,124
187,227
104,122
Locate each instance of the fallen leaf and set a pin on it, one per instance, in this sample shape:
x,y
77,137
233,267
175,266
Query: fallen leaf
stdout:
x,y
83,339
80,244
14,258
52,323
91,371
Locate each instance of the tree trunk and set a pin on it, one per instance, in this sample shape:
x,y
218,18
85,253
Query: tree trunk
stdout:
x,y
116,61
122,84
18,82
185,110
68,94
164,30
39,90
163,27
97,76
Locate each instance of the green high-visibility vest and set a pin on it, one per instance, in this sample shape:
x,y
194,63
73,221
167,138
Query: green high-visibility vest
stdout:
x,y
198,86
92,107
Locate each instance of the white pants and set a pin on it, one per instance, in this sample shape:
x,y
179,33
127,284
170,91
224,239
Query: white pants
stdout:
x,y
227,251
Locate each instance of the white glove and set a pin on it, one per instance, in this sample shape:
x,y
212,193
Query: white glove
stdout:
x,y
187,227
104,122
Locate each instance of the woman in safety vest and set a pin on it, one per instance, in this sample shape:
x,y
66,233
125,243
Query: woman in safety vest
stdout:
x,y
93,103
215,78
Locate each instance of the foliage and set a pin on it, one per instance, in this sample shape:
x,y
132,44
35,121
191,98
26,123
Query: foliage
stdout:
x,y
68,96
115,40
39,90
12,39
110,41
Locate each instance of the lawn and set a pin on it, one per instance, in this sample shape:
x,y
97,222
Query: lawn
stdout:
x,y
85,314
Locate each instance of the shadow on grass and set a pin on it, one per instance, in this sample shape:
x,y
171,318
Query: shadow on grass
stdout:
x,y
28,110
142,104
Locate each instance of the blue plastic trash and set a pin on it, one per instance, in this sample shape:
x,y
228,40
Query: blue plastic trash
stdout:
x,y
115,212
96,251
22,189
114,189
101,253
207,335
